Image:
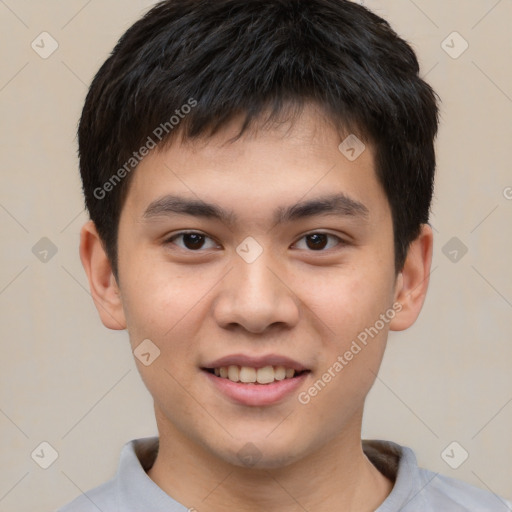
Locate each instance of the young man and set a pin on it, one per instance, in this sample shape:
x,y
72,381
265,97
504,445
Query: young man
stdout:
x,y
259,176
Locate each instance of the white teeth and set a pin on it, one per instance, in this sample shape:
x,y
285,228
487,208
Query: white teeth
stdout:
x,y
265,375
233,373
279,372
246,374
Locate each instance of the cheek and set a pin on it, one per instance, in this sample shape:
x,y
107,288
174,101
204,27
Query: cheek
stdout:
x,y
350,304
156,300
351,355
160,307
348,300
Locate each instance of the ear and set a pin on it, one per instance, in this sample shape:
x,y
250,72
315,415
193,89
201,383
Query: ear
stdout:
x,y
412,282
104,289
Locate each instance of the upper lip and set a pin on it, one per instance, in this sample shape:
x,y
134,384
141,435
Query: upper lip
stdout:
x,y
256,361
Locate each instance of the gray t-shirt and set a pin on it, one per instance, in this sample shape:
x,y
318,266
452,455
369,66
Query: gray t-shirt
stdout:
x,y
415,489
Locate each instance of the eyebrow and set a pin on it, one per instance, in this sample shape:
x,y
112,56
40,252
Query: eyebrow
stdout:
x,y
333,204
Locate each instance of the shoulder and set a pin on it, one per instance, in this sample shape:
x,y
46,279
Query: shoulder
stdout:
x,y
417,489
459,496
101,498
128,484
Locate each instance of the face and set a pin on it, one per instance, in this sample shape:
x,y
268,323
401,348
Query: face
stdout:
x,y
261,280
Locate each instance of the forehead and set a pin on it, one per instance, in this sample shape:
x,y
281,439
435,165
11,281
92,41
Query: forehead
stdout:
x,y
262,173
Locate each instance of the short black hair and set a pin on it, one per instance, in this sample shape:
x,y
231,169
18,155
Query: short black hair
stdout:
x,y
192,66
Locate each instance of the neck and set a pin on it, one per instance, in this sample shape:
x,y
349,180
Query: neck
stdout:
x,y
336,476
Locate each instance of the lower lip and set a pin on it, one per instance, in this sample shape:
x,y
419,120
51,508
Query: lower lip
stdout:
x,y
256,394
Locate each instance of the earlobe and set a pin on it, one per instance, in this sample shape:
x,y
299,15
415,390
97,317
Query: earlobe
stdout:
x,y
412,282
104,289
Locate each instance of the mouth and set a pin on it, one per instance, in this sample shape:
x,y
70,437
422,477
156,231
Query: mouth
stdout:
x,y
249,375
255,379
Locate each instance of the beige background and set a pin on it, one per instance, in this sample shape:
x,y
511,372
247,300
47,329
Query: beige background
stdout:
x,y
67,380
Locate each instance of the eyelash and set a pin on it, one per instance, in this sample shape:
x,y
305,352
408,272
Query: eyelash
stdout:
x,y
170,240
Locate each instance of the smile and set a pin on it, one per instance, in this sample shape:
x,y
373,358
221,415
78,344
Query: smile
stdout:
x,y
247,374
247,388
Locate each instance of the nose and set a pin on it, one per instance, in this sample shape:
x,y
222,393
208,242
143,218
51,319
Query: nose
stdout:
x,y
256,296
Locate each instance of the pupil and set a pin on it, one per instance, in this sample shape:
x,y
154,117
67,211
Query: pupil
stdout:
x,y
320,240
196,238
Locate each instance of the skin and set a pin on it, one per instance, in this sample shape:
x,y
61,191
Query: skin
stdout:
x,y
309,304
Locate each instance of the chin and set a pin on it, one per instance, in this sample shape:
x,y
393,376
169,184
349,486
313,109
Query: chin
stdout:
x,y
259,461
259,454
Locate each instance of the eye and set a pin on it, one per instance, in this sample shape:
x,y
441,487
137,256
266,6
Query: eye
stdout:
x,y
192,240
317,241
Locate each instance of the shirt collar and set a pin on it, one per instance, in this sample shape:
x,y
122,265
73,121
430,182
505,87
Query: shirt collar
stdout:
x,y
136,491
